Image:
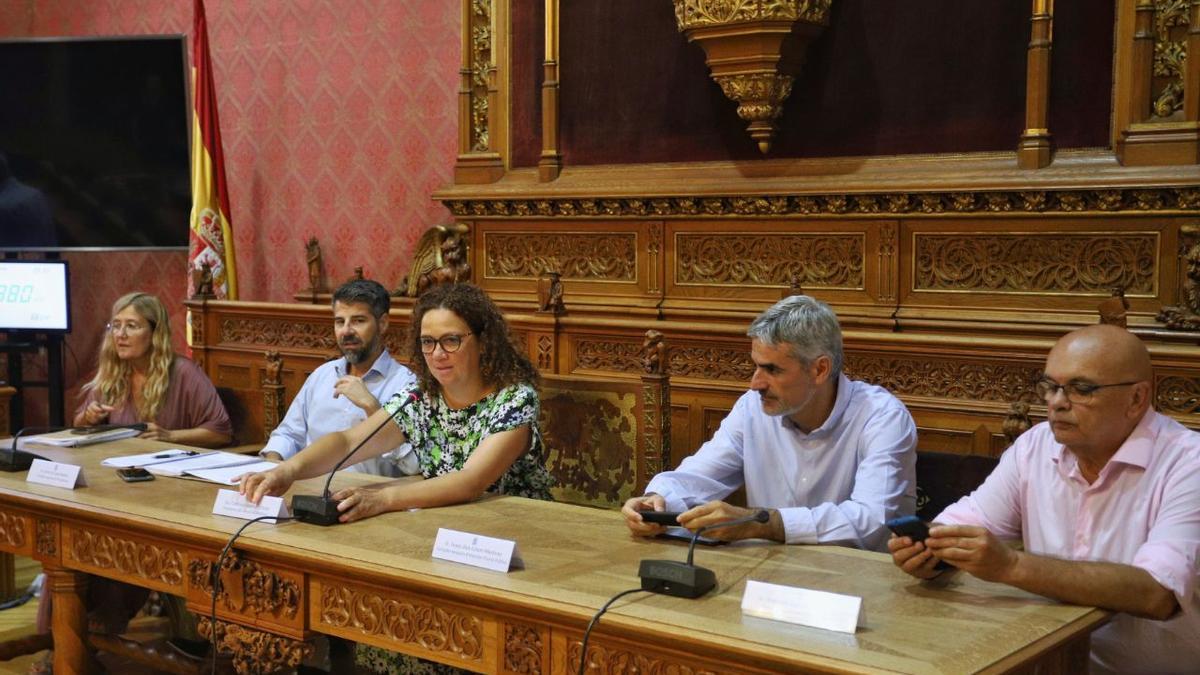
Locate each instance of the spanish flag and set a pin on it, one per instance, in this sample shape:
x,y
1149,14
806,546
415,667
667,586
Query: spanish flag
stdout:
x,y
211,238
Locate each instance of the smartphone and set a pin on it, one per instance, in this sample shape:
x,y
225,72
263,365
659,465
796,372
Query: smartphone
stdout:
x,y
915,529
134,475
668,518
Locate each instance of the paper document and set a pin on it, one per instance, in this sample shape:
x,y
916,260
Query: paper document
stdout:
x,y
148,458
208,460
225,474
71,439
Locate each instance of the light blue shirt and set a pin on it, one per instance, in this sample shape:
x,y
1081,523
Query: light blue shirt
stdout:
x,y
836,485
315,412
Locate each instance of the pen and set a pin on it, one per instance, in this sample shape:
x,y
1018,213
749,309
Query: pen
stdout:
x,y
168,455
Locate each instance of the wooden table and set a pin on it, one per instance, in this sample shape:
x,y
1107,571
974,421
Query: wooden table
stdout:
x,y
375,582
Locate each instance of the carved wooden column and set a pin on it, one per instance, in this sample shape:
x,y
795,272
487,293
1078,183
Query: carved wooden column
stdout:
x,y
479,118
1034,149
1158,82
550,164
656,410
69,620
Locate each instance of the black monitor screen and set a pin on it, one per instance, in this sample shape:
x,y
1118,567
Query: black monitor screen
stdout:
x,y
93,143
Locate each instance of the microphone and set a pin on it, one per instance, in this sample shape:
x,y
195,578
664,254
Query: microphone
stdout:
x,y
13,459
322,509
683,579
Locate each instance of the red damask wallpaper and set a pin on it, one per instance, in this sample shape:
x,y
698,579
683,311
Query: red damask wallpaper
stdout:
x,y
338,118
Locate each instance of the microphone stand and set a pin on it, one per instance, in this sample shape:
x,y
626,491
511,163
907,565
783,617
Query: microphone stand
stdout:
x,y
13,459
683,579
322,509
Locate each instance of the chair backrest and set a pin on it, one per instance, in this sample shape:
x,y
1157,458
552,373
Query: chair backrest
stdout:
x,y
246,411
943,478
600,446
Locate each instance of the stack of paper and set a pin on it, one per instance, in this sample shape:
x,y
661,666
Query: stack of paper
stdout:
x,y
213,466
71,438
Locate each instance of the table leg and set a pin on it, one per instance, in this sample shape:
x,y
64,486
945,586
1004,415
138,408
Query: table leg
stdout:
x,y
68,620
8,577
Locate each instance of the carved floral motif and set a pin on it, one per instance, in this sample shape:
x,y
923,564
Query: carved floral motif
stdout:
x,y
1036,263
481,66
133,558
411,621
815,260
1170,54
604,660
712,363
948,378
246,585
1178,395
656,425
254,651
1034,201
12,530
621,357
609,257
277,334
522,649
47,538
694,13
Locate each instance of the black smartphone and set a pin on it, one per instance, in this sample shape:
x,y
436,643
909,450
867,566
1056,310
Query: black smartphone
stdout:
x,y
668,518
134,474
909,526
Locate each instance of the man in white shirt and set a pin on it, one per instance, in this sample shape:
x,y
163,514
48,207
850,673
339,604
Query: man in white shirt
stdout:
x,y
343,392
830,458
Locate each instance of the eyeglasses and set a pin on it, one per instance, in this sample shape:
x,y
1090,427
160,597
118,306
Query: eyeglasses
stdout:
x,y
450,343
128,328
1077,392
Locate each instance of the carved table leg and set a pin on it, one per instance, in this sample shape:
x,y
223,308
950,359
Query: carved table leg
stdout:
x,y
69,621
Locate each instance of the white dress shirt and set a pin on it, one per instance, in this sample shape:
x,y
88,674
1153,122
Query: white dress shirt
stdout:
x,y
836,485
315,412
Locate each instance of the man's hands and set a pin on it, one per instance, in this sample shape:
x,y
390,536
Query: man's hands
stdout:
x,y
352,388
255,486
967,547
712,513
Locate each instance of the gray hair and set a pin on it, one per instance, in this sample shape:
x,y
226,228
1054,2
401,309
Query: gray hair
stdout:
x,y
805,323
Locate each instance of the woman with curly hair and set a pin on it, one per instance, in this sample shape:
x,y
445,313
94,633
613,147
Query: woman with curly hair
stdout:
x,y
471,417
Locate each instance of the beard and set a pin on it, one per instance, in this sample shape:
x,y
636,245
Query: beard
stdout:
x,y
356,355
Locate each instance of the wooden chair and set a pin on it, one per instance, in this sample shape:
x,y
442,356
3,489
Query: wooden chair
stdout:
x,y
943,478
254,413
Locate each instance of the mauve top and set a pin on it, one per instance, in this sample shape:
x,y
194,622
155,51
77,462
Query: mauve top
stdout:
x,y
191,402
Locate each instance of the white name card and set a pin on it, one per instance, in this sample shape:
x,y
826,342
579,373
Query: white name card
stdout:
x,y
56,474
816,609
499,555
232,503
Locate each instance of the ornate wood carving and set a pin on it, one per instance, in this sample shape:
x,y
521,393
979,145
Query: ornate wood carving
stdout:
x,y
127,556
246,585
937,377
545,352
815,259
1135,200
276,333
654,256
426,625
1177,395
1170,55
589,257
12,530
889,243
620,357
47,538
744,42
480,32
591,442
712,363
606,660
1036,263
1186,315
254,651
523,649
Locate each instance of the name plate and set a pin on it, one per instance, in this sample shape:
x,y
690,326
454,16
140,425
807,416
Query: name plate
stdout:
x,y
232,503
816,609
498,555
55,474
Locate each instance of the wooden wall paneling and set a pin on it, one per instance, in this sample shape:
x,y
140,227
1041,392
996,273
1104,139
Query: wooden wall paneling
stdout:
x,y
1034,147
482,103
550,162
603,263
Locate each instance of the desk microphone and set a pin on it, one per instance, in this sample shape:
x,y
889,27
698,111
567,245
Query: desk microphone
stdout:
x,y
13,460
683,579
322,509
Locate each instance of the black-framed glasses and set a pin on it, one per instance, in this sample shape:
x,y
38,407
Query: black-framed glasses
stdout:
x,y
1077,392
450,343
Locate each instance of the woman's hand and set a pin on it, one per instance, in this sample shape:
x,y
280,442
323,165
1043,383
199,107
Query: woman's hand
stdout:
x,y
254,486
154,432
95,413
363,502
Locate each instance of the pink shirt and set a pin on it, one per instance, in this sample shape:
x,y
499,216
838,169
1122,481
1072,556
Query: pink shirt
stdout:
x,y
191,402
1143,510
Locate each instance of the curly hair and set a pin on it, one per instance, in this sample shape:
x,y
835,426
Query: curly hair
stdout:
x,y
502,363
112,381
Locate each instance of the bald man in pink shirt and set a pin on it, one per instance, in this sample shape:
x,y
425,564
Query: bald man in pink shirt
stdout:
x,y
1105,496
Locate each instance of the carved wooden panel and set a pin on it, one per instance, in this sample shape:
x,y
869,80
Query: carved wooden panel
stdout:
x,y
153,564
591,442
14,531
278,333
609,256
606,659
253,651
814,259
1037,263
438,628
728,364
607,354
941,377
1171,22
526,649
248,587
47,538
1177,394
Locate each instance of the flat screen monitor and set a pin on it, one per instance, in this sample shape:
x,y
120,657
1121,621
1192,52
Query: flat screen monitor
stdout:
x,y
94,143
35,296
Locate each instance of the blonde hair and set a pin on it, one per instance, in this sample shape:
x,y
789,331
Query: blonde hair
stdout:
x,y
112,381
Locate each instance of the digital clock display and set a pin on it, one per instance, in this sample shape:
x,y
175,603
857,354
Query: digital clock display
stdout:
x,y
34,295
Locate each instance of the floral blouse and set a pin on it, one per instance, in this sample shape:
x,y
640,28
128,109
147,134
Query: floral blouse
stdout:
x,y
443,438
